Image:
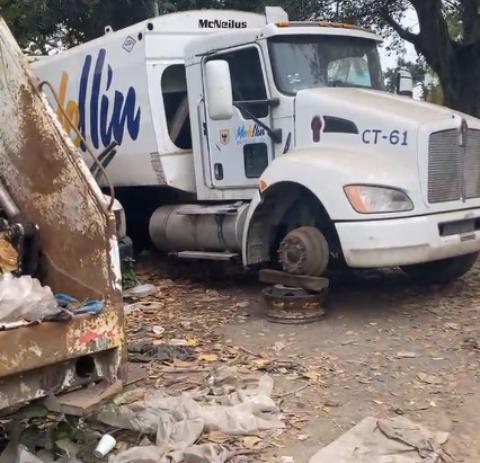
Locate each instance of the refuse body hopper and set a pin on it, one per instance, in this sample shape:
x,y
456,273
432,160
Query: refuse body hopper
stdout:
x,y
55,217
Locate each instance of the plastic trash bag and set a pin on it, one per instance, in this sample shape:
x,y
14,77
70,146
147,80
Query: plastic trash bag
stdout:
x,y
205,453
25,298
396,440
147,454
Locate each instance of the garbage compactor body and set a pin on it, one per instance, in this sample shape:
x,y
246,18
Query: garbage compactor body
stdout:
x,y
52,187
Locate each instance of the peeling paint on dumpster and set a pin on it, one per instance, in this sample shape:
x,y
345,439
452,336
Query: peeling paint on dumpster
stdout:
x,y
52,186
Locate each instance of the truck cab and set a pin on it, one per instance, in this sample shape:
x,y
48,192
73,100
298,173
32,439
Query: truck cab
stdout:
x,y
287,149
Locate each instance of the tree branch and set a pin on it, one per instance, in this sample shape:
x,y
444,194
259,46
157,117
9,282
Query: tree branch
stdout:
x,y
403,33
470,20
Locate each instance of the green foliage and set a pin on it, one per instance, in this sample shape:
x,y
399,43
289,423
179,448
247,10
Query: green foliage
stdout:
x,y
447,35
45,24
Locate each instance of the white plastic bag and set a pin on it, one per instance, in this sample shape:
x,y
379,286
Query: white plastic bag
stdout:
x,y
24,298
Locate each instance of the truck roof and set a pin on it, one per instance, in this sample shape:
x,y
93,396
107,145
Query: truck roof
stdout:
x,y
235,27
219,41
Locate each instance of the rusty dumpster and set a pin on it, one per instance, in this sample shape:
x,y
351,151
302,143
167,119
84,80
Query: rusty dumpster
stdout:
x,y
43,172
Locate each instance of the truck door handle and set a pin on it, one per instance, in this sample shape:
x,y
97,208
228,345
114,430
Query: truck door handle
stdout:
x,y
218,171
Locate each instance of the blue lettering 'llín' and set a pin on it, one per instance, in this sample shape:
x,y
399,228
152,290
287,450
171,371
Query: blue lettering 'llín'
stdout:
x,y
123,116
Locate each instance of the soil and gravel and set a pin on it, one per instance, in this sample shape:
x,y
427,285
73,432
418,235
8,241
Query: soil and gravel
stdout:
x,y
385,347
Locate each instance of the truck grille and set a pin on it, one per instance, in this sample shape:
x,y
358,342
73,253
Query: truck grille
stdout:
x,y
453,170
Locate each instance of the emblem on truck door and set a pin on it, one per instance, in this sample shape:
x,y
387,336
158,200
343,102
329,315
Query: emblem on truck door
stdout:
x,y
225,136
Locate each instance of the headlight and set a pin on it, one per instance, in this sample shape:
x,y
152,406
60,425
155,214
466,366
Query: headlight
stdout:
x,y
367,199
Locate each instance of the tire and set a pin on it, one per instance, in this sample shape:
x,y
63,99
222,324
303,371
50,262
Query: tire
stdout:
x,y
304,251
441,271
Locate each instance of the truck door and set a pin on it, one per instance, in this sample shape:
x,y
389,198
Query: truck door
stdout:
x,y
240,149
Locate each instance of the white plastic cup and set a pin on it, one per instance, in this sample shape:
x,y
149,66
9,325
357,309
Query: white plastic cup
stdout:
x,y
106,444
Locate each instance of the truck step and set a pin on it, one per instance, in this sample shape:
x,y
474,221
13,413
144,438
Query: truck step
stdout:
x,y
202,255
222,209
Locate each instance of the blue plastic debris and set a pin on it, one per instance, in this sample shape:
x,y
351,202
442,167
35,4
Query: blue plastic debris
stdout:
x,y
91,306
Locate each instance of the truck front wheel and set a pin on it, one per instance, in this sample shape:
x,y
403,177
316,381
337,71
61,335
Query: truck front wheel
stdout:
x,y
441,271
304,251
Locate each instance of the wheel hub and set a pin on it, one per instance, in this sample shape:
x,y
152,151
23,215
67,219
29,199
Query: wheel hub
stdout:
x,y
292,255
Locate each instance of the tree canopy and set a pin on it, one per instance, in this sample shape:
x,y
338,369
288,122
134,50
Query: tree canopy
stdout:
x,y
447,35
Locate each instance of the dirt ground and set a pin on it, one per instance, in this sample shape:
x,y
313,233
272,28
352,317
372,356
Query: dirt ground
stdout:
x,y
385,347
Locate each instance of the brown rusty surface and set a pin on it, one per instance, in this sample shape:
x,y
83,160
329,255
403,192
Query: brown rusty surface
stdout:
x,y
293,305
53,188
52,379
48,181
309,283
33,347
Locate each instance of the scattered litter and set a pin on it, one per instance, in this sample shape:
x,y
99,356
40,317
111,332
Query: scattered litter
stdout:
x,y
146,351
178,342
158,330
90,306
279,346
149,454
286,459
141,291
243,304
205,453
452,326
24,298
165,283
8,256
208,357
143,307
406,355
178,422
24,456
15,325
371,440
429,379
471,343
106,444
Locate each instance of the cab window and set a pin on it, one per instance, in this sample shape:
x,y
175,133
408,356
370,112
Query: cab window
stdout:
x,y
174,91
247,79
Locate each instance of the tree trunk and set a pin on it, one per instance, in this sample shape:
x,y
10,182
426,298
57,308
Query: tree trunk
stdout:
x,y
462,86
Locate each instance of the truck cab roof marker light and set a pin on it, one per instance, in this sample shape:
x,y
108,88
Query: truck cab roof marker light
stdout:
x,y
320,24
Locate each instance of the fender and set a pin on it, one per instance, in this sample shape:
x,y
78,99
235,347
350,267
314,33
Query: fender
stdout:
x,y
324,172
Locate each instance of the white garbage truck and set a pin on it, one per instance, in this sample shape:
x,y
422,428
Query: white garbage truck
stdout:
x,y
249,136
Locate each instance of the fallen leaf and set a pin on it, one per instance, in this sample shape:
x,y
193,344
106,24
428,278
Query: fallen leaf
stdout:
x,y
261,363
250,442
429,379
452,326
192,341
208,357
279,346
178,342
217,437
406,355
183,363
311,375
158,330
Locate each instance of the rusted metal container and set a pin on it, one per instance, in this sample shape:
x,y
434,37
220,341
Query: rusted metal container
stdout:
x,y
292,305
49,182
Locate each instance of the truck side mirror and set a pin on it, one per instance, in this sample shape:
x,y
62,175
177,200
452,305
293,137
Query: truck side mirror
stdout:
x,y
404,83
219,90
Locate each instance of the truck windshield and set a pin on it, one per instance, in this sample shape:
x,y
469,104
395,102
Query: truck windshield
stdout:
x,y
312,61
